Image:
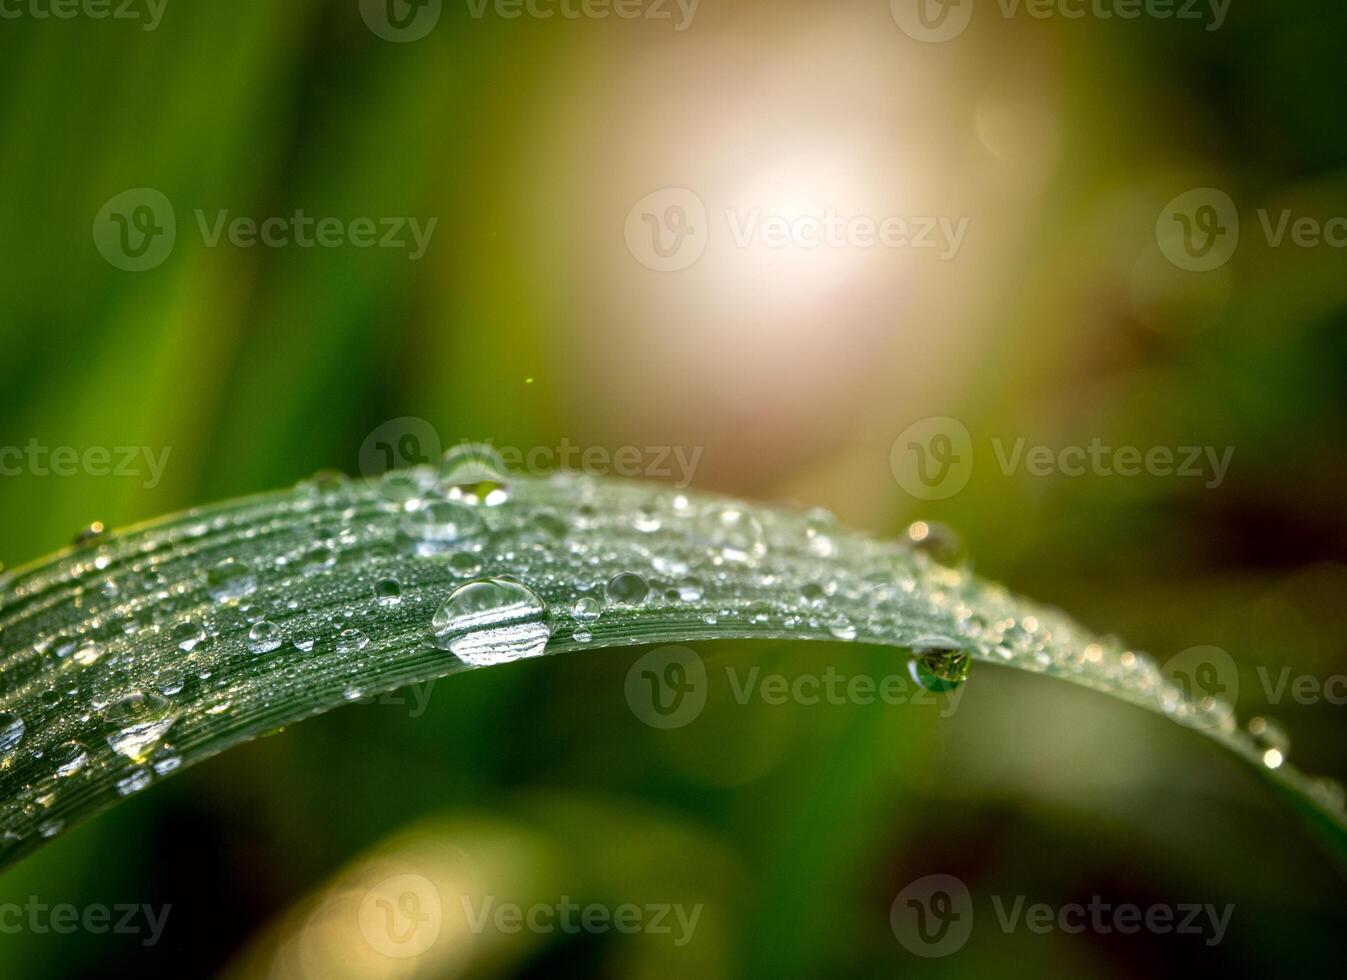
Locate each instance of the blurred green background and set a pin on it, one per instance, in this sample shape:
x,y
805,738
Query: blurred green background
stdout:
x,y
528,321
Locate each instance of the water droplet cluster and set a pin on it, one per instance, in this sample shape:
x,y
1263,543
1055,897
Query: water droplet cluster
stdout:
x,y
121,660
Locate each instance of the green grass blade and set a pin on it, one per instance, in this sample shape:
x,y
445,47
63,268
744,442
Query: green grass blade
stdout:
x,y
149,650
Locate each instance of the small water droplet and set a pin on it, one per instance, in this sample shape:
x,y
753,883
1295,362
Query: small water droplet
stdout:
x,y
689,589
136,781
587,610
465,564
351,640
11,732
230,580
388,592
170,681
627,589
491,621
819,527
140,720
69,758
842,628
89,535
736,534
940,541
265,637
188,635
51,828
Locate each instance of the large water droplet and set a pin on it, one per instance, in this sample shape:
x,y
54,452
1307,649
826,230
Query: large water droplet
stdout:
x,y
140,720
388,592
939,665
265,637
69,758
188,635
474,473
442,522
627,589
491,621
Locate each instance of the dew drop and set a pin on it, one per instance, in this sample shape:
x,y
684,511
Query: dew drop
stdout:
x,y
442,522
689,589
230,580
819,528
188,635
11,732
465,564
388,592
940,541
627,589
736,534
491,621
140,720
351,641
265,637
69,758
587,610
842,628
939,665
170,681
136,781
474,473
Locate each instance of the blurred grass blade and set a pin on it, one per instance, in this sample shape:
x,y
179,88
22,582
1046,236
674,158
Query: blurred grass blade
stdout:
x,y
138,653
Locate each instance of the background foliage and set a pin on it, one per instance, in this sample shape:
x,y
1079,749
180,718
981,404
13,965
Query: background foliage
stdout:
x,y
528,322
